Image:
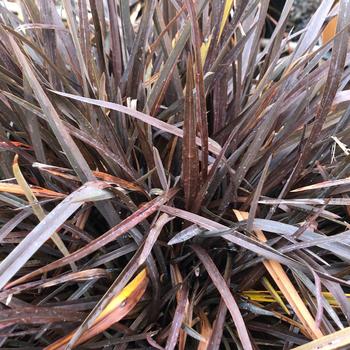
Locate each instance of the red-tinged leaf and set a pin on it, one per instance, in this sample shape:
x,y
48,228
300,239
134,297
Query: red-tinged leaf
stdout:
x,y
46,283
213,147
226,295
160,169
64,172
177,319
190,165
314,201
256,196
200,106
118,181
38,315
115,41
178,280
6,229
16,144
324,184
216,335
206,331
38,191
218,325
153,236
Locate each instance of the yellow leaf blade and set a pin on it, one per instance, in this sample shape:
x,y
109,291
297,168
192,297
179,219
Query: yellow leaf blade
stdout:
x,y
274,294
204,49
227,9
123,295
336,340
263,296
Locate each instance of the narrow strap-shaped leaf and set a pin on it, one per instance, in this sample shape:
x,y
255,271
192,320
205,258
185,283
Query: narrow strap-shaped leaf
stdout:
x,y
336,340
190,166
226,295
214,147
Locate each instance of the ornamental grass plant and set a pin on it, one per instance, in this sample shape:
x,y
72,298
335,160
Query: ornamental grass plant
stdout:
x,y
172,177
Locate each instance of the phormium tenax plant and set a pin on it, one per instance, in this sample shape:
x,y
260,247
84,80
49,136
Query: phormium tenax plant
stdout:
x,y
174,175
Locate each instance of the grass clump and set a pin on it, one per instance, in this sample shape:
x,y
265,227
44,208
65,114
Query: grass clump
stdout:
x,y
171,178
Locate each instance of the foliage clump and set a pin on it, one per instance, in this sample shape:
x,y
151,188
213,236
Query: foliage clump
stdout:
x,y
171,178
